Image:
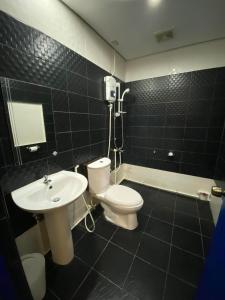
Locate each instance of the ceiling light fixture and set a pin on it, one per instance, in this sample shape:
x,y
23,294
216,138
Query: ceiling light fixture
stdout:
x,y
154,3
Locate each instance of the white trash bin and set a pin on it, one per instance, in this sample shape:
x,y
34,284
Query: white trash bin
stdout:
x,y
34,269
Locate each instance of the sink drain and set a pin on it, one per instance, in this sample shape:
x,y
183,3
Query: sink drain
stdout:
x,y
56,199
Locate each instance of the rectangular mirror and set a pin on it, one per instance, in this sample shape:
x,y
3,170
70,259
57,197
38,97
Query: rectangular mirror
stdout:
x,y
30,119
27,123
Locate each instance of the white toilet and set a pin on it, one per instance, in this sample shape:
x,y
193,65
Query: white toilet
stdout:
x,y
120,203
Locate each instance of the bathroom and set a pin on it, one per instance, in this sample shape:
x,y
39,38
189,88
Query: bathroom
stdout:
x,y
112,118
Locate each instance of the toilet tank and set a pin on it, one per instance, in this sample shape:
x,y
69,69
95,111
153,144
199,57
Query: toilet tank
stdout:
x,y
99,175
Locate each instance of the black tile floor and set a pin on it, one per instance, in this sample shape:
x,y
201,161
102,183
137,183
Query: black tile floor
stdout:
x,y
161,260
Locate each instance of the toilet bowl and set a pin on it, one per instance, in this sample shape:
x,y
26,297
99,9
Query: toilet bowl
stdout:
x,y
120,203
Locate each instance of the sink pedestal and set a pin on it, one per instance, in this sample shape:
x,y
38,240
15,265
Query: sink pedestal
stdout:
x,y
60,237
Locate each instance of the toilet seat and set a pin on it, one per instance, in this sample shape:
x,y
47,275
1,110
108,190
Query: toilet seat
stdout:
x,y
123,197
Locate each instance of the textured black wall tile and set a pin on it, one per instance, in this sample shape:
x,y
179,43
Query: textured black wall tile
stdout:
x,y
214,134
64,141
47,73
59,100
97,136
60,162
175,120
55,76
172,144
79,121
195,133
97,107
183,113
49,50
76,63
95,73
203,77
78,103
80,139
95,89
174,133
81,155
62,121
16,64
76,83
15,177
197,120
176,108
97,122
98,150
15,34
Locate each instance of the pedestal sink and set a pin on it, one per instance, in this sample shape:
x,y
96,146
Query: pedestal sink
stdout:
x,y
51,199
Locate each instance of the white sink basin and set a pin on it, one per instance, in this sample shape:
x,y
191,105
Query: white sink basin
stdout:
x,y
37,197
52,199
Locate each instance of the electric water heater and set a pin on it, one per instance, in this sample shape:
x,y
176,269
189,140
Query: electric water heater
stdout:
x,y
110,88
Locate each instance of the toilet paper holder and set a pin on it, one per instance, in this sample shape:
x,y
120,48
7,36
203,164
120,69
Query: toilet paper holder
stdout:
x,y
34,148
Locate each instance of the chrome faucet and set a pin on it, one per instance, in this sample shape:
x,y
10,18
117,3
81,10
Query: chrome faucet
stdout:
x,y
46,180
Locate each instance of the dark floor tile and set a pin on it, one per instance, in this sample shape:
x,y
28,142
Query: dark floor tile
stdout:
x,y
207,227
206,245
104,228
129,239
177,290
164,199
187,240
49,264
147,207
164,214
77,233
187,221
160,230
114,264
50,296
97,287
90,247
154,251
134,185
64,280
144,281
97,212
185,266
186,205
204,210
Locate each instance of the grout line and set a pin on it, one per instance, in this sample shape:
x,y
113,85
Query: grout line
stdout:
x,y
92,267
135,254
183,280
53,293
171,245
175,246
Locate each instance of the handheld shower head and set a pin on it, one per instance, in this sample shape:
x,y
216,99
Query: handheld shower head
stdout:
x,y
124,93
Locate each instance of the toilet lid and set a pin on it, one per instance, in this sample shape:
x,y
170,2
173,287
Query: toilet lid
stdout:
x,y
120,195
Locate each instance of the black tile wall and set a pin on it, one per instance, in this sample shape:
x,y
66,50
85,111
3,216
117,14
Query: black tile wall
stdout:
x,y
183,113
71,90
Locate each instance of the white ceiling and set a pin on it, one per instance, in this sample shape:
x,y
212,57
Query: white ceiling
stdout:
x,y
133,22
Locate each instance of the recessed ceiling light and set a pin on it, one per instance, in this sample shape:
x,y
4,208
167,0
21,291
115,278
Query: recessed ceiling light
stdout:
x,y
154,3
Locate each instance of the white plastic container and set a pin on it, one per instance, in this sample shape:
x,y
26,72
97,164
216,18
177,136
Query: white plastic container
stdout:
x,y
34,269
